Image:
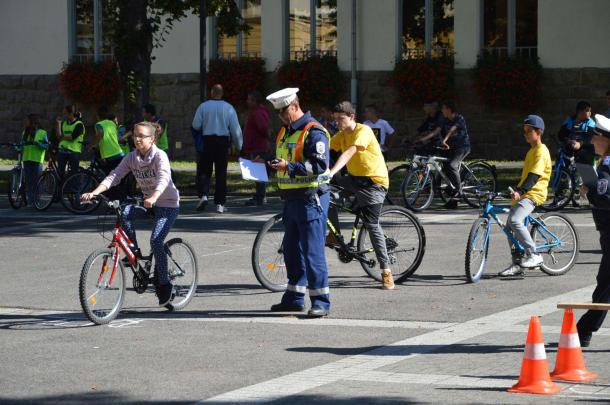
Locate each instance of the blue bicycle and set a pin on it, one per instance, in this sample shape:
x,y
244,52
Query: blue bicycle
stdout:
x,y
565,183
555,237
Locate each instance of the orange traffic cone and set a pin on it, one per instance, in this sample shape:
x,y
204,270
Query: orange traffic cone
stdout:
x,y
535,378
570,364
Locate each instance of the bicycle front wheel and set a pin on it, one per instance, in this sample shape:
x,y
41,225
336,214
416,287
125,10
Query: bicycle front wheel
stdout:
x,y
396,176
561,194
46,187
183,271
74,187
479,178
102,288
476,250
557,242
268,255
16,191
405,242
417,190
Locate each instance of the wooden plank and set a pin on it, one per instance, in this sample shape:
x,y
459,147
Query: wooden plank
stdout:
x,y
588,305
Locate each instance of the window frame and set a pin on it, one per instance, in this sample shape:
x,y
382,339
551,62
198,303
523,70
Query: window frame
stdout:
x,y
97,56
429,50
511,50
239,40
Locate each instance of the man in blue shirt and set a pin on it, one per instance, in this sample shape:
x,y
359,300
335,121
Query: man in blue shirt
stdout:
x,y
457,143
217,122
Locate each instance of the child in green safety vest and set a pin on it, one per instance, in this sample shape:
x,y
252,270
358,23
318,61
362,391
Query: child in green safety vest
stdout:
x,y
35,143
107,136
70,133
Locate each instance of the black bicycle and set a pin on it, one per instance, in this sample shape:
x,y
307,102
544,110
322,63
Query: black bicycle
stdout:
x,y
49,183
16,186
404,234
80,182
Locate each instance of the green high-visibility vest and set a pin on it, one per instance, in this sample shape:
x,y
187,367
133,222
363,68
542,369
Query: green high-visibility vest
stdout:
x,y
75,145
32,152
163,142
290,148
109,144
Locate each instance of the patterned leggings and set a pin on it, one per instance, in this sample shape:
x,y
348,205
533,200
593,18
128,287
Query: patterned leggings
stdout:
x,y
164,219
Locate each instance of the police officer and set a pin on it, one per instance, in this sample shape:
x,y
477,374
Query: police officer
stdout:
x,y
302,160
599,198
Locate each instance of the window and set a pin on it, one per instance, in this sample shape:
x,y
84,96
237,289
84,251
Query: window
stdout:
x,y
90,43
244,45
312,28
427,28
510,27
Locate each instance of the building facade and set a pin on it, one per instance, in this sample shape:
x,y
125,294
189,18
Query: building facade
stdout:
x,y
367,37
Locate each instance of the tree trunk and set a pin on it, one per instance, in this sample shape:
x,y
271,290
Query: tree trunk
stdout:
x,y
134,44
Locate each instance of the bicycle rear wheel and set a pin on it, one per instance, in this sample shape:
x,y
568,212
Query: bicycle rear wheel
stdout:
x,y
417,190
557,242
268,255
46,188
405,243
183,271
480,178
396,176
76,185
476,250
561,196
101,291
16,189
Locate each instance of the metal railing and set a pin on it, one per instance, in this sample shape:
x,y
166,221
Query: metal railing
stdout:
x,y
306,54
530,52
236,55
420,53
89,57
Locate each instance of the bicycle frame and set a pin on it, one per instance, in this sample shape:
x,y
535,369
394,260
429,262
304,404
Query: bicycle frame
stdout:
x,y
120,241
491,212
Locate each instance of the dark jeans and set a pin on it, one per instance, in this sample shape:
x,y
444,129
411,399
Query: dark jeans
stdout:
x,y
261,187
591,321
120,191
452,167
31,171
72,159
586,154
214,158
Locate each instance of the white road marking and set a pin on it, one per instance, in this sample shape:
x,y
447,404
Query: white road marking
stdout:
x,y
293,384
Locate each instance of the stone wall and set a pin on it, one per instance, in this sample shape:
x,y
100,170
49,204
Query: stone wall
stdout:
x,y
495,133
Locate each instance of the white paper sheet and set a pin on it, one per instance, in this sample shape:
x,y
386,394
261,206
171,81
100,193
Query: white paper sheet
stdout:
x,y
253,170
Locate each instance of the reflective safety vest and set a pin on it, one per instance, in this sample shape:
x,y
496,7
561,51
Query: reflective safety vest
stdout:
x,y
124,145
290,148
75,145
163,142
109,144
31,151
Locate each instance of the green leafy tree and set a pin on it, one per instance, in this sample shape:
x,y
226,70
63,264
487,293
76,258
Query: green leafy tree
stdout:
x,y
136,27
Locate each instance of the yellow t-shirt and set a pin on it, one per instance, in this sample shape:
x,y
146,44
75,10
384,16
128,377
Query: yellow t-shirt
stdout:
x,y
368,160
537,161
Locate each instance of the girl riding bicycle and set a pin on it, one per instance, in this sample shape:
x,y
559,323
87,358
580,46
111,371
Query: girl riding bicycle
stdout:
x,y
151,168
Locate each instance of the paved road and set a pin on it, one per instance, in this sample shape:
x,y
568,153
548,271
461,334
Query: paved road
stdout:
x,y
434,339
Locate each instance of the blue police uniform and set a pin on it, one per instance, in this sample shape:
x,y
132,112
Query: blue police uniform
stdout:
x,y
305,213
599,198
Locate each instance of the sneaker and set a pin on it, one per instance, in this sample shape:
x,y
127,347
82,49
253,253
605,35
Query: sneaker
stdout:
x,y
202,203
387,280
220,208
533,260
512,271
165,293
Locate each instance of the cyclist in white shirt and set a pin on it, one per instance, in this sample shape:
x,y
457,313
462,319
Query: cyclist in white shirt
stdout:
x,y
381,128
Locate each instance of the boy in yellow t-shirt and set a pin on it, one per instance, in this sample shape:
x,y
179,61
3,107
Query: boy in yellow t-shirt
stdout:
x,y
367,178
531,191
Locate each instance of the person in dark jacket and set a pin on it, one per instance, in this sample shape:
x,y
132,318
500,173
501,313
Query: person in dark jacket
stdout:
x,y
599,198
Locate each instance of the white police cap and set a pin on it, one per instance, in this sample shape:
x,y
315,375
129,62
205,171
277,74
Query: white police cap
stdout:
x,y
283,98
602,123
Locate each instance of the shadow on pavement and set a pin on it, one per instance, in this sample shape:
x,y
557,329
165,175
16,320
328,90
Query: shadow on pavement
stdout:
x,y
403,350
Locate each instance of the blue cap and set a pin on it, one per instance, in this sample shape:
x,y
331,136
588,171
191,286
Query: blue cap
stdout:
x,y
534,121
